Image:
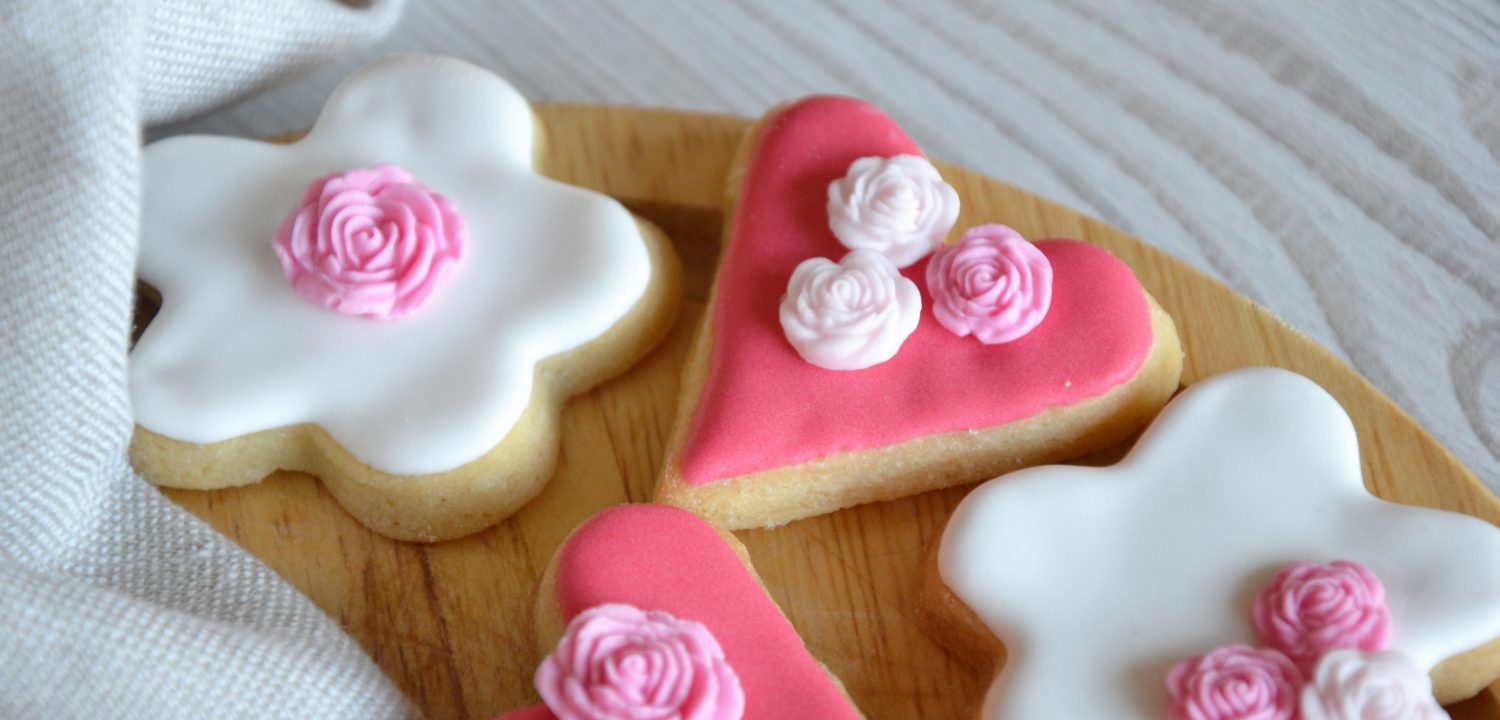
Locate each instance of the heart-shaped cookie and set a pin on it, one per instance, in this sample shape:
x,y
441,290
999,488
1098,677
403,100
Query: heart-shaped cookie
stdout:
x,y
663,561
764,437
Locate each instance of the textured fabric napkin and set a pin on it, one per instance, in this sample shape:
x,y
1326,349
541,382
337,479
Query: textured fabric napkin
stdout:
x,y
114,602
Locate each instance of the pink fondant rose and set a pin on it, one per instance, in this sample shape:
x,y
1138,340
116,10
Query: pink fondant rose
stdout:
x,y
1235,682
1310,608
991,283
1350,685
617,662
370,241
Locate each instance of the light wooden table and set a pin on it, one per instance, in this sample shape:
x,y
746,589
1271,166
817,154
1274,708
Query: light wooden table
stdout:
x,y
1337,162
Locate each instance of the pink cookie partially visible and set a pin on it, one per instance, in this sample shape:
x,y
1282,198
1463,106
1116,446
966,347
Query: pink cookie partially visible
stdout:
x,y
764,437
662,558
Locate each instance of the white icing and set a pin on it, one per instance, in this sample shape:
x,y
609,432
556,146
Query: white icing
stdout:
x,y
1099,579
897,206
1350,685
851,314
234,351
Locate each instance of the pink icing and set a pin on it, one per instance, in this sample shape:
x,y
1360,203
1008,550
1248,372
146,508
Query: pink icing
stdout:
x,y
370,241
618,661
660,557
762,406
1235,682
1310,608
991,283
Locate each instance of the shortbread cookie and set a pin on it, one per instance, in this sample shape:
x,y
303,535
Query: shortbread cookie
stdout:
x,y
842,361
1233,565
654,613
396,303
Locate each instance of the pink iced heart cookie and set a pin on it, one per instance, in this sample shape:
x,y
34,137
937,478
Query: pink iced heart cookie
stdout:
x,y
654,613
800,399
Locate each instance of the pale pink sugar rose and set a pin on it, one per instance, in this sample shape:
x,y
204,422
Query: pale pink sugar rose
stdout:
x,y
850,314
370,241
991,283
897,206
1235,682
617,662
1310,608
1350,685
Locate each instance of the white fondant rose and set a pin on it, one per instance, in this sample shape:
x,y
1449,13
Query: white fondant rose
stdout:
x,y
851,314
1350,685
897,206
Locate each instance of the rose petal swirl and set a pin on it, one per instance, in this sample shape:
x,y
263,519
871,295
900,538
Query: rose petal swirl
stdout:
x,y
851,314
1351,685
1235,682
992,283
897,206
618,662
1310,608
370,241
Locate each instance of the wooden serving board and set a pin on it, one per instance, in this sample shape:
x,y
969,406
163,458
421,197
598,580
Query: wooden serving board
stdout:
x,y
451,623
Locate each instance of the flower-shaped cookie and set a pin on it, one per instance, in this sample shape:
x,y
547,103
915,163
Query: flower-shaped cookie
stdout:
x,y
1097,580
549,290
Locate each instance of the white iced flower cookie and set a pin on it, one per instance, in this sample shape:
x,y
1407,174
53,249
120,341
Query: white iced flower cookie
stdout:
x,y
1095,579
897,206
372,303
1351,685
851,314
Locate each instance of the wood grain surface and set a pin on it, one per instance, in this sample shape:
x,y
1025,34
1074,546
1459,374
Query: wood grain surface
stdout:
x,y
1337,161
451,623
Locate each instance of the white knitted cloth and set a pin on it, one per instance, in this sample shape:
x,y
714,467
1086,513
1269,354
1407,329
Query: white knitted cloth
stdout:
x,y
114,602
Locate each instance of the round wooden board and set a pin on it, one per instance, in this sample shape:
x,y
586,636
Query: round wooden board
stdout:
x,y
451,623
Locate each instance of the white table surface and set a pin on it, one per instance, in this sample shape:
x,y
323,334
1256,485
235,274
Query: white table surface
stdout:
x,y
1338,162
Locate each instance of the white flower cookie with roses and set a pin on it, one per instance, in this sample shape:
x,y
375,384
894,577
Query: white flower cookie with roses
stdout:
x,y
396,303
1233,565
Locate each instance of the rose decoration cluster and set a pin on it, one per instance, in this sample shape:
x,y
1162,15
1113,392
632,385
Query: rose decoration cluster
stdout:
x,y
890,212
618,662
371,242
1324,630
